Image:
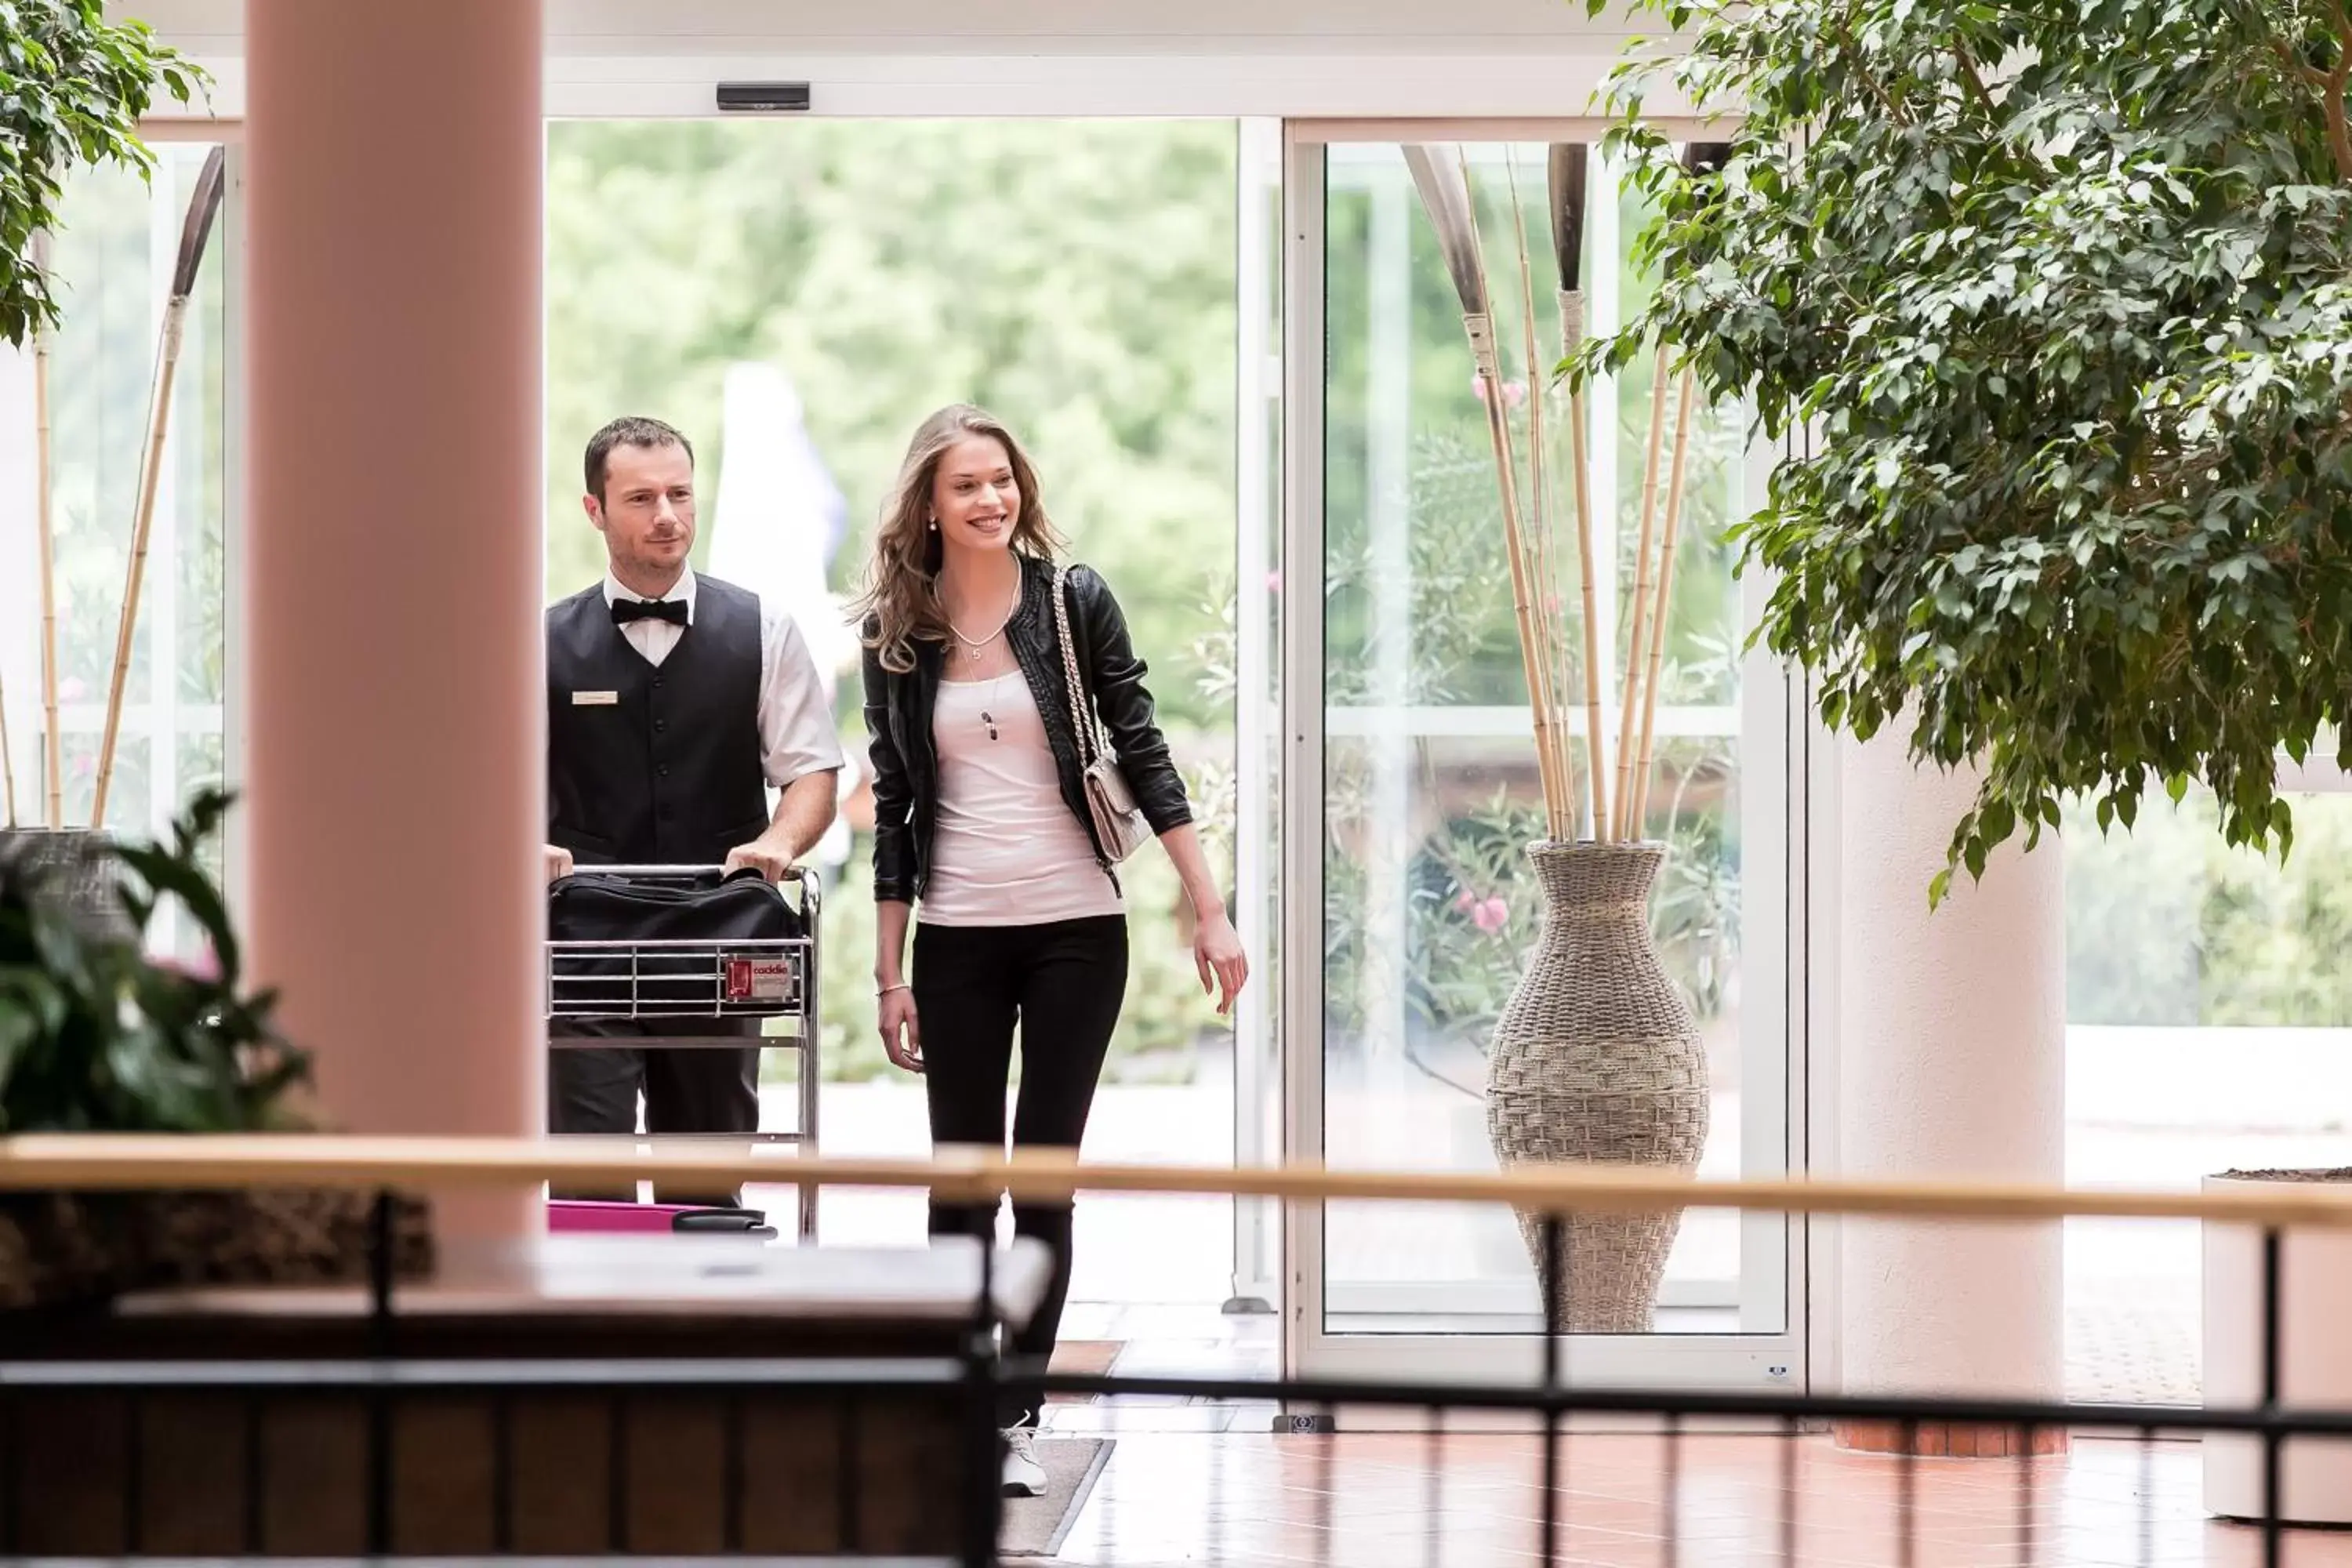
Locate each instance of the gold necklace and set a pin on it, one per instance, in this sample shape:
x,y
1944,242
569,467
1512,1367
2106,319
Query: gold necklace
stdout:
x,y
973,647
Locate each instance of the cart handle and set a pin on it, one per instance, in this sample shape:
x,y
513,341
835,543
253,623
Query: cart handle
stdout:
x,y
660,872
805,875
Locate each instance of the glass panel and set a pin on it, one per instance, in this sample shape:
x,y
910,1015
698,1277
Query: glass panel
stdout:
x,y
2209,1028
1430,788
812,290
114,257
114,260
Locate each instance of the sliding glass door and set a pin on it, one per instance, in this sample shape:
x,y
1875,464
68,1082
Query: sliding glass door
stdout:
x,y
1405,698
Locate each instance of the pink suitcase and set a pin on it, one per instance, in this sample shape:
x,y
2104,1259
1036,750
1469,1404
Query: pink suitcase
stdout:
x,y
587,1214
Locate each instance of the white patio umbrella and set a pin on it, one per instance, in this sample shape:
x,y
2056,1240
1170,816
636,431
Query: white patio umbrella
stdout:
x,y
773,520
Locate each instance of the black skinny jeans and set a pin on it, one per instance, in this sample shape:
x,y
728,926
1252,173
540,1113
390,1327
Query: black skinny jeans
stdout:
x,y
1063,982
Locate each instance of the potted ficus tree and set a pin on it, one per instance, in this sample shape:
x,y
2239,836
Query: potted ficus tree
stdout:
x,y
2062,297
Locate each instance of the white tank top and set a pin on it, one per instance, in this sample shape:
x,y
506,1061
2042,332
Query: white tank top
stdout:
x,y
1005,849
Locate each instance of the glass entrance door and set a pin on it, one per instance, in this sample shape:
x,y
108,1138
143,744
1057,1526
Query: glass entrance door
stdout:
x,y
1404,697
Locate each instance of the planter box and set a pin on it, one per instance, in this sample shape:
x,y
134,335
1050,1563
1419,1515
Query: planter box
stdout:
x,y
2314,1359
571,1396
59,1251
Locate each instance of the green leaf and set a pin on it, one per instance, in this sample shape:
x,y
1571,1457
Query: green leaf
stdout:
x,y
73,88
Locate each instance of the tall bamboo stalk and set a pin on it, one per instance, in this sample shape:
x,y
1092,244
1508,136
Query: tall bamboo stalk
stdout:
x,y
1666,589
1700,159
1543,569
45,534
1568,164
1627,826
195,230
1445,195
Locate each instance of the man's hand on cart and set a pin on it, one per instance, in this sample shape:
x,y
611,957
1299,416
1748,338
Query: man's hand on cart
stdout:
x,y
559,862
902,1034
772,860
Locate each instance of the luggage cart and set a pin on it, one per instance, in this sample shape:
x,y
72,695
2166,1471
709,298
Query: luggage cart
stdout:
x,y
606,981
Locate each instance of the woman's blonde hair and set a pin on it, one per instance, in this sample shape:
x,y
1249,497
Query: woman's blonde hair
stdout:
x,y
899,605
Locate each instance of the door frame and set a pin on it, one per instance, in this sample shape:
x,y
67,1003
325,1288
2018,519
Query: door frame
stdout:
x,y
1773,965
1316,96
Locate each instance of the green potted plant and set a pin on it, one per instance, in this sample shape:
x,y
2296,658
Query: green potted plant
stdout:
x,y
2062,297
97,1037
76,85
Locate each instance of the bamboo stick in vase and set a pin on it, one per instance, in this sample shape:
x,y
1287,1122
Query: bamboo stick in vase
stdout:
x,y
1444,194
195,231
1568,167
1701,159
1664,590
45,534
1543,567
1628,826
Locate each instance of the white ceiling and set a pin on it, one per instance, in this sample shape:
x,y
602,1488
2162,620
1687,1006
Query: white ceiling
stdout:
x,y
705,27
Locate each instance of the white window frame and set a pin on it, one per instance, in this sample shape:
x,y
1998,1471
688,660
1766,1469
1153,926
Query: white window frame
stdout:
x,y
1313,93
1774,1247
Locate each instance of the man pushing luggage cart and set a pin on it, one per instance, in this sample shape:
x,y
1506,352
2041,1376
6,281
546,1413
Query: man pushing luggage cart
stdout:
x,y
675,702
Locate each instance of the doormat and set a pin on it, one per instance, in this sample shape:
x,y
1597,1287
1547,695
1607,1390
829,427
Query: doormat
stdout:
x,y
1036,1526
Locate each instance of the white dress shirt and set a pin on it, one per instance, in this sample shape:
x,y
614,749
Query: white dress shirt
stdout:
x,y
796,733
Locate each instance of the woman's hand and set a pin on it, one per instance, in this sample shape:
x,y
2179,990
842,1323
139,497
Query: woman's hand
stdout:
x,y
902,1035
1217,954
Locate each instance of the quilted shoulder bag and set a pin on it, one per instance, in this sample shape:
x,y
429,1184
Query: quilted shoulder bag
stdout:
x,y
1119,827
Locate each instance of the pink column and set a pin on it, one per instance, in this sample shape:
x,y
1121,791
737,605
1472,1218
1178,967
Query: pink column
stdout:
x,y
397,725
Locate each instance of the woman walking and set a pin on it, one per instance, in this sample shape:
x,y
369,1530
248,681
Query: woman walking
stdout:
x,y
992,675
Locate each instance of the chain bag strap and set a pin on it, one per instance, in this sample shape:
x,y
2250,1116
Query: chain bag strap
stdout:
x,y
1119,827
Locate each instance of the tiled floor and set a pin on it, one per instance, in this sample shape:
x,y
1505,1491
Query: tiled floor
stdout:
x,y
2148,1108
1407,1500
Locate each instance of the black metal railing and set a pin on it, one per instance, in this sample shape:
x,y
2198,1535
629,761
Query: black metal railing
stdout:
x,y
961,1390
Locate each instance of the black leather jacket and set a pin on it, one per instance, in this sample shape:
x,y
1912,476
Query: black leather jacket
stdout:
x,y
906,767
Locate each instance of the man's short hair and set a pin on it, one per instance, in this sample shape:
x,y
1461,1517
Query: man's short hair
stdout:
x,y
630,431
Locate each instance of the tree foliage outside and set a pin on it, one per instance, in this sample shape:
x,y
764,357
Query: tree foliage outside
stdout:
x,y
1075,278
2061,294
2171,927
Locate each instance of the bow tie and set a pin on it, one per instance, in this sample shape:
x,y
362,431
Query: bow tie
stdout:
x,y
670,610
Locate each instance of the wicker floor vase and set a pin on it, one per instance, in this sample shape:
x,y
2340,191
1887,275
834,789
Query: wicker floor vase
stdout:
x,y
1597,1059
74,869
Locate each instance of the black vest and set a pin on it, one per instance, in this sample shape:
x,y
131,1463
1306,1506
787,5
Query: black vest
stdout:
x,y
668,770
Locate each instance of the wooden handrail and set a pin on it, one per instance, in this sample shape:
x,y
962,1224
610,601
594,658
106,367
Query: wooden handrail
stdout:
x,y
95,1161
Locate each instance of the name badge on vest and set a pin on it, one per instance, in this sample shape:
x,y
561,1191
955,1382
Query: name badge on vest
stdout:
x,y
595,699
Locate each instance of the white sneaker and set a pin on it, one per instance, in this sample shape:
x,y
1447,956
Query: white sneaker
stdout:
x,y
1023,1475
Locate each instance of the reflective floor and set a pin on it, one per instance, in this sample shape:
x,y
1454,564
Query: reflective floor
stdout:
x,y
2147,1108
1373,1500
